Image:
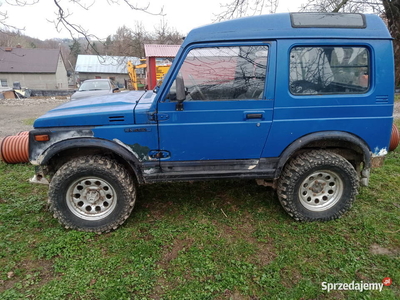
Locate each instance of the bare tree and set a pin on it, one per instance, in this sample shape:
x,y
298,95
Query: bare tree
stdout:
x,y
389,10
63,16
166,35
122,42
140,37
241,8
12,38
345,6
4,25
392,15
130,42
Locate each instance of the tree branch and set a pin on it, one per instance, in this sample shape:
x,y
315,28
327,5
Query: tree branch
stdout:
x,y
241,8
340,5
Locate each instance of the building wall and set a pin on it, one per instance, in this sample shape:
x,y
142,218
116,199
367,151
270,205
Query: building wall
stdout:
x,y
61,75
41,81
31,81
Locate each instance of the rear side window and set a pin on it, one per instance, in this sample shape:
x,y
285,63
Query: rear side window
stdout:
x,y
329,70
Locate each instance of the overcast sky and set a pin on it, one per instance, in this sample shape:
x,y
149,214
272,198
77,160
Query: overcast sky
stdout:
x,y
103,19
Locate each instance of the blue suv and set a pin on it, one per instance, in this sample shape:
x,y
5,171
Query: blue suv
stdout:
x,y
302,102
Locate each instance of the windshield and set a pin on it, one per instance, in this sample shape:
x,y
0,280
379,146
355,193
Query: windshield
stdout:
x,y
94,86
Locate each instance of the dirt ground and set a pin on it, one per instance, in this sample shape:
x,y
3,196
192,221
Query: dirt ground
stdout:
x,y
17,114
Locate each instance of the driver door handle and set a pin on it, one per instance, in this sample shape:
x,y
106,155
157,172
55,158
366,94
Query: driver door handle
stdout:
x,y
254,116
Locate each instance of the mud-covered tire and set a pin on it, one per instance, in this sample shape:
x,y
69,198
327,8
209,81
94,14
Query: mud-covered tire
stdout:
x,y
317,186
92,193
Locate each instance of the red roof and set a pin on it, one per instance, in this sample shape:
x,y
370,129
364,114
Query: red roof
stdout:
x,y
155,50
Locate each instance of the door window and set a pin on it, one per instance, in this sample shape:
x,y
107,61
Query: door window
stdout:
x,y
224,73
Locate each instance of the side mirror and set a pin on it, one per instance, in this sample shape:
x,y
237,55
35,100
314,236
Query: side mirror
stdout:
x,y
115,90
180,92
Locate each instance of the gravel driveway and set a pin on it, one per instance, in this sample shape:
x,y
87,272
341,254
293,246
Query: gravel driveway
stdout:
x,y
15,114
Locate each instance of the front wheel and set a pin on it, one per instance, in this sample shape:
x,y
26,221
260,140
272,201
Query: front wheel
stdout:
x,y
318,186
92,193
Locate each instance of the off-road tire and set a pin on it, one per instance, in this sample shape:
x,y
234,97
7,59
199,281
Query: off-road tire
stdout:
x,y
317,186
92,193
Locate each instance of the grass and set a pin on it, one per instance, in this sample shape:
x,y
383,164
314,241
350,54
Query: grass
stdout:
x,y
204,240
29,121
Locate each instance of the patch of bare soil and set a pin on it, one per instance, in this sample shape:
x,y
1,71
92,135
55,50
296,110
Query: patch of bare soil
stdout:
x,y
265,251
169,255
396,112
379,250
37,272
17,115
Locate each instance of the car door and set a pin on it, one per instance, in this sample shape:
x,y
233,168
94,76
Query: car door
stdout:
x,y
228,109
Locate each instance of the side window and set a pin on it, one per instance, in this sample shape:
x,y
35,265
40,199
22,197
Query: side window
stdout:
x,y
329,70
224,73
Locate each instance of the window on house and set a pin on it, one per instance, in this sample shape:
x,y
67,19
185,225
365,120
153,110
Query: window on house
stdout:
x,y
329,70
4,82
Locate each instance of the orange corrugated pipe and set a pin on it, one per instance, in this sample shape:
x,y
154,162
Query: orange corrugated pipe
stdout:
x,y
395,138
23,133
14,149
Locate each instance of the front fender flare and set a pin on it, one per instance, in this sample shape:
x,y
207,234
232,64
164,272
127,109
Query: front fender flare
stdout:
x,y
115,147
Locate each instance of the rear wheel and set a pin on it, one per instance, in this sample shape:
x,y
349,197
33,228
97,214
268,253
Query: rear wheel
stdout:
x,y
318,185
92,193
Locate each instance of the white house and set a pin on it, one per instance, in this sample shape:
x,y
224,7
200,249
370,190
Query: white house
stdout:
x,y
33,68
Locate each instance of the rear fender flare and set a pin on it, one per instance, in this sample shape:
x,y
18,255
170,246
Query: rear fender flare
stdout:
x,y
324,136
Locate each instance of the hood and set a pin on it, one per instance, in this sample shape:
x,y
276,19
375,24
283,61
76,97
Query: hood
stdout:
x,y
112,109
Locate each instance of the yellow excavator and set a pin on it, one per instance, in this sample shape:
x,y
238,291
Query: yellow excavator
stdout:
x,y
132,73
160,72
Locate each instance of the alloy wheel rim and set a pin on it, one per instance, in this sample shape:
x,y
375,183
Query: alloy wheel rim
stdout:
x,y
91,198
321,190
